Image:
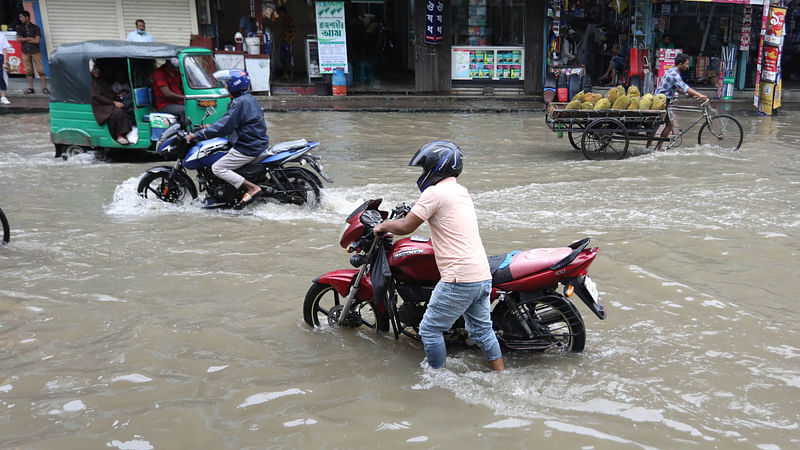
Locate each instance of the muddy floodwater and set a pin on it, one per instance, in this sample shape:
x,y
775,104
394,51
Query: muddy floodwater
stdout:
x,y
134,325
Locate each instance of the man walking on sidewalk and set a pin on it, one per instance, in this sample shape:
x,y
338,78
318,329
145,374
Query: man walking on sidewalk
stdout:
x,y
30,36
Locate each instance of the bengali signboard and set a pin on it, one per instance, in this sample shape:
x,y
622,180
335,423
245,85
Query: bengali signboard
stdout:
x,y
434,20
331,36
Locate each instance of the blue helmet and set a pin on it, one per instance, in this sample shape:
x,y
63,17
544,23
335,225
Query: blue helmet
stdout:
x,y
236,80
439,160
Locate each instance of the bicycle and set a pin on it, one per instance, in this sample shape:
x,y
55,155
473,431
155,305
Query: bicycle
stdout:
x,y
6,228
721,131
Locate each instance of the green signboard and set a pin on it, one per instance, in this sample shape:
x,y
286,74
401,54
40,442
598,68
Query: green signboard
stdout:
x,y
331,36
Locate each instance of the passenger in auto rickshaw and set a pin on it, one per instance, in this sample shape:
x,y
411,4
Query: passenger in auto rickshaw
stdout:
x,y
168,89
107,107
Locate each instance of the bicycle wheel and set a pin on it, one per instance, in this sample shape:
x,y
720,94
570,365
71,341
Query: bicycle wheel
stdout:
x,y
6,228
722,132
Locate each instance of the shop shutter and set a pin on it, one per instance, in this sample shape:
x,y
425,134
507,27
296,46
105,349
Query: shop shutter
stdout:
x,y
169,21
79,20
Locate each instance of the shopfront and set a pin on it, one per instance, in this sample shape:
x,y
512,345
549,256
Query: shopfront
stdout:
x,y
489,43
722,38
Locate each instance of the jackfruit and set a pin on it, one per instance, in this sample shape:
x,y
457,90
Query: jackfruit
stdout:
x,y
575,104
634,103
579,96
620,90
646,102
659,102
612,95
633,91
602,104
587,105
595,97
622,102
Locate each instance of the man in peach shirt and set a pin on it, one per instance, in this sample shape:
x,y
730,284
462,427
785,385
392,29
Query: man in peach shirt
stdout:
x,y
466,280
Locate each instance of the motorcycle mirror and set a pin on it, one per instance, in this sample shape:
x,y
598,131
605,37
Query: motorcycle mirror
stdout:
x,y
371,218
210,111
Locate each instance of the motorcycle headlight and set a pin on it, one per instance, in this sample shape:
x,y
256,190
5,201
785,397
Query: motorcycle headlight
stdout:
x,y
358,260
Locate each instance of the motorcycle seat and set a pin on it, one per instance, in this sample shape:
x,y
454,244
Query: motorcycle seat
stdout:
x,y
288,145
516,264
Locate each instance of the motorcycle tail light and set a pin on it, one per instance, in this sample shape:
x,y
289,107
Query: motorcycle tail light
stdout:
x,y
569,290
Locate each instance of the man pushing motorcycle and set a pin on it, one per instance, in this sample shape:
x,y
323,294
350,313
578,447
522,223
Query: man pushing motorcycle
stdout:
x,y
466,280
244,123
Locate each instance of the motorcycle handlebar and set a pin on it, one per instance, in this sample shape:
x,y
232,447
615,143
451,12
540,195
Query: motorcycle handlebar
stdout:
x,y
401,210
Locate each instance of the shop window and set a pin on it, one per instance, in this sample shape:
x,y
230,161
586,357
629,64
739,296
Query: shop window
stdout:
x,y
488,22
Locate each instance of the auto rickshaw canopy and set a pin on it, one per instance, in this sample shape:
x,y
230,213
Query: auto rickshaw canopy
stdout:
x,y
71,81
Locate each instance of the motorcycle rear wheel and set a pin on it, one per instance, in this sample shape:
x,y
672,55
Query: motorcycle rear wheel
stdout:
x,y
559,326
154,185
322,298
302,189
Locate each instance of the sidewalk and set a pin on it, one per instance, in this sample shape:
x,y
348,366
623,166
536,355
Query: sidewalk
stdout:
x,y
284,100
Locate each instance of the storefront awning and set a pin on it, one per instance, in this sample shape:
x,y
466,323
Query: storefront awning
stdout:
x,y
736,2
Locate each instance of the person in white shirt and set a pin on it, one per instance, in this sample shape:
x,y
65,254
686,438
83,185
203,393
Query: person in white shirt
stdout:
x,y
140,35
4,46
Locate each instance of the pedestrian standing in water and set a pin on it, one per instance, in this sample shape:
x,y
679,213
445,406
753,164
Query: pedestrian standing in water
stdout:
x,y
466,280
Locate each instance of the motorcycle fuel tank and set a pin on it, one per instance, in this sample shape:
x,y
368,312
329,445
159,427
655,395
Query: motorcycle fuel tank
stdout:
x,y
206,153
412,259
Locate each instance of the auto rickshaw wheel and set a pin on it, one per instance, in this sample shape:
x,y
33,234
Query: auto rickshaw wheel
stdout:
x,y
69,151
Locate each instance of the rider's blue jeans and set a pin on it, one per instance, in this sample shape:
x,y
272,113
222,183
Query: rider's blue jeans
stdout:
x,y
448,302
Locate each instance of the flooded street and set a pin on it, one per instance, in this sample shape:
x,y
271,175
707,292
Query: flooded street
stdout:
x,y
134,325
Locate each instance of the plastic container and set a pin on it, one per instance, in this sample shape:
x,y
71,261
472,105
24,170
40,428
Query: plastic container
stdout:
x,y
253,45
339,82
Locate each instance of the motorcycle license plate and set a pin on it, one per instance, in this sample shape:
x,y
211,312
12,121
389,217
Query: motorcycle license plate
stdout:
x,y
588,283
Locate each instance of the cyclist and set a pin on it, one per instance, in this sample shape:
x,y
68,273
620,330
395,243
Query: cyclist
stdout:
x,y
672,83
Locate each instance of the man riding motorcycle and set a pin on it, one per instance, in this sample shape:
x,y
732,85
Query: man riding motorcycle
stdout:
x,y
244,123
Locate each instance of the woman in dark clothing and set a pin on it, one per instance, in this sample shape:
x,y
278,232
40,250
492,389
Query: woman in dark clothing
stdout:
x,y
106,108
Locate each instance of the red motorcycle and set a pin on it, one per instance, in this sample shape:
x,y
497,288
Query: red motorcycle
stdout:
x,y
392,283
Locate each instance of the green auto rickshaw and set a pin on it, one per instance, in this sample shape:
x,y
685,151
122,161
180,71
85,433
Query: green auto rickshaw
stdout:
x,y
73,128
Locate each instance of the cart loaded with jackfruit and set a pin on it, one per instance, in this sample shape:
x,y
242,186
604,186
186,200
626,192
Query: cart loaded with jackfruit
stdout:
x,y
602,126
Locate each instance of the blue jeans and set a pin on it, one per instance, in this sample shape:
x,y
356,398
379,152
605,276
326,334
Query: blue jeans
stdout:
x,y
448,302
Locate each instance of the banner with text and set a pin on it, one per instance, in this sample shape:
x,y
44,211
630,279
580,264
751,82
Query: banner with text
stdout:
x,y
434,21
331,36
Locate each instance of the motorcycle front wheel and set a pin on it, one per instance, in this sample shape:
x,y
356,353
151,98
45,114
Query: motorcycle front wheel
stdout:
x,y
6,228
554,323
156,185
323,305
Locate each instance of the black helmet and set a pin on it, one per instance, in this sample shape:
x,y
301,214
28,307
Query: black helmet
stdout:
x,y
439,160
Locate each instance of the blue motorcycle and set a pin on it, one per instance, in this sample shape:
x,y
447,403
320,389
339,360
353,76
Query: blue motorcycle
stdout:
x,y
280,172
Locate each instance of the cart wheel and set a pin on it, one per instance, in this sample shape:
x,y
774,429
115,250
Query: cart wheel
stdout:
x,y
605,138
574,141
